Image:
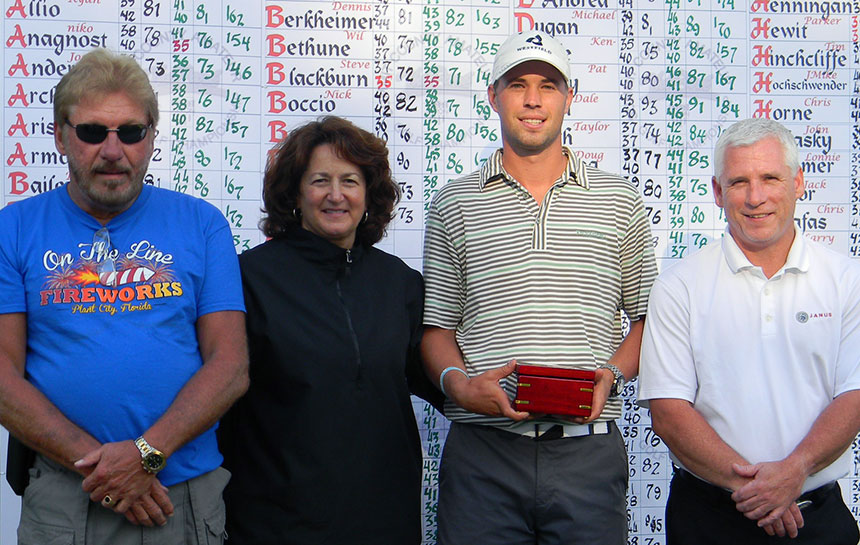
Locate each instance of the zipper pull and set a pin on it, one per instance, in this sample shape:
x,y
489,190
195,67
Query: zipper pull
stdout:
x,y
348,256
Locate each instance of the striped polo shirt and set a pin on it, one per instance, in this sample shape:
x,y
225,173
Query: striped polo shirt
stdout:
x,y
540,283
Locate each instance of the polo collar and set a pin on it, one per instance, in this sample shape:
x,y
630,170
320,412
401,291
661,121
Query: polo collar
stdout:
x,y
797,260
492,171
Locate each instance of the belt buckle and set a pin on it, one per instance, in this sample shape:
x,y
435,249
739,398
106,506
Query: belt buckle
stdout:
x,y
556,431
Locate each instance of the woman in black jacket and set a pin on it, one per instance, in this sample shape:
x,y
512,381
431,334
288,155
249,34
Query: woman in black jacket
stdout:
x,y
324,447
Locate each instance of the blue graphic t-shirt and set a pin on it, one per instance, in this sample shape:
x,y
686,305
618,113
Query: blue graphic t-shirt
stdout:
x,y
111,313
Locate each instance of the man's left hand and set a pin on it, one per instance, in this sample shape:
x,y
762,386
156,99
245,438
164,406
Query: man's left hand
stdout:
x,y
115,470
603,379
773,489
788,524
152,508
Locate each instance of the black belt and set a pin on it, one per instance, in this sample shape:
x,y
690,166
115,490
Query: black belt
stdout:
x,y
813,497
559,431
553,432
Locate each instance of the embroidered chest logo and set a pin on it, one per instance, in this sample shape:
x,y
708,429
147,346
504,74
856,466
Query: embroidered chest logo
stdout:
x,y
804,317
588,233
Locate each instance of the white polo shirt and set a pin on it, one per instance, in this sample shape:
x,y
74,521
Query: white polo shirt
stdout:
x,y
759,358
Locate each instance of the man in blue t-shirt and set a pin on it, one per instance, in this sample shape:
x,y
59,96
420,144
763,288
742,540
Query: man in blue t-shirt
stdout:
x,y
122,338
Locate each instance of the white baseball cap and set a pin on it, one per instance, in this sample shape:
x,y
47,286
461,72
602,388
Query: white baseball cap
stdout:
x,y
531,45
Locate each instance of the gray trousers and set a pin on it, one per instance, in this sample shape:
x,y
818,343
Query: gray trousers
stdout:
x,y
56,511
500,488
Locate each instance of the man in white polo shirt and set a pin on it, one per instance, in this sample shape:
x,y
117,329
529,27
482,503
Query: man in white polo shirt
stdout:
x,y
751,362
532,258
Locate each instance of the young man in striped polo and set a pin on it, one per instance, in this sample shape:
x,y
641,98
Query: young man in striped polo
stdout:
x,y
531,259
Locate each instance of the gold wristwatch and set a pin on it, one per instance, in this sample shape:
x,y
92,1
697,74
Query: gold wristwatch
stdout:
x,y
152,459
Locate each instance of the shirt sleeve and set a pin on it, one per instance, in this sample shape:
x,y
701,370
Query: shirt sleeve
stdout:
x,y
666,367
12,290
222,285
848,359
444,297
638,265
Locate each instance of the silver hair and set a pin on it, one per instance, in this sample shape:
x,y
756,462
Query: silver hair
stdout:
x,y
750,131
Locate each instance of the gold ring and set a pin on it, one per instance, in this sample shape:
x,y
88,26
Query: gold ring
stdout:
x,y
107,500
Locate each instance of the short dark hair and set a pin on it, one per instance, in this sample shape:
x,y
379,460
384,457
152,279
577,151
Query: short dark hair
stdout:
x,y
290,160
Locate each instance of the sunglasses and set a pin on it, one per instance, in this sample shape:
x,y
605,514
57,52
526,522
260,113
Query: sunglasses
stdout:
x,y
92,133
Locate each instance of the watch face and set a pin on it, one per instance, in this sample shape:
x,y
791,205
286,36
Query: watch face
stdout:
x,y
154,462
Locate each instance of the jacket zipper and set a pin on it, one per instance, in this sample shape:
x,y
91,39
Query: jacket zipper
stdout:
x,y
352,333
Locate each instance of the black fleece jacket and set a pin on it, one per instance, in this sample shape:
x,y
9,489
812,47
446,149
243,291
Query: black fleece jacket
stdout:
x,y
324,447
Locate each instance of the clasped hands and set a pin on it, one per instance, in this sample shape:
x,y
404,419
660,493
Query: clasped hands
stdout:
x,y
115,478
770,494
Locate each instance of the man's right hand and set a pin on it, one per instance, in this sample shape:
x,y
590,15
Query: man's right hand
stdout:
x,y
482,393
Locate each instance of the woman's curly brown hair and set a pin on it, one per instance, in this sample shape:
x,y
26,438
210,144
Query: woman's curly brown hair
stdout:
x,y
290,159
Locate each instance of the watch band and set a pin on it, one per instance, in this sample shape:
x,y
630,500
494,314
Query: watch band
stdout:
x,y
618,382
152,459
